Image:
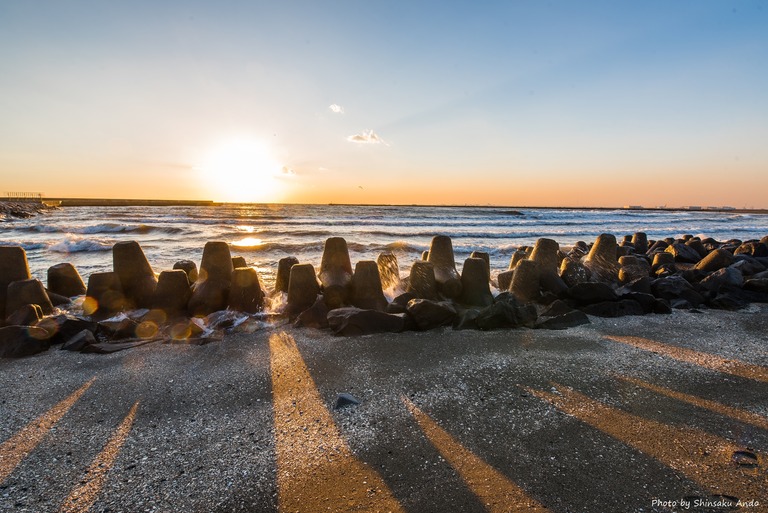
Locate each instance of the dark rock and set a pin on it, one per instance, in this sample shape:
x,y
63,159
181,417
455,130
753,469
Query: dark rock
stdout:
x,y
344,400
27,315
303,288
648,302
246,294
189,267
421,281
113,347
61,328
465,319
715,260
28,292
441,257
351,321
752,248
336,272
389,271
19,341
642,285
316,316
428,314
591,292
747,265
117,328
79,341
614,308
728,277
683,253
400,303
172,293
550,282
506,314
366,286
284,266
757,285
475,286
525,282
559,316
573,272
675,288
58,299
135,274
63,279
238,261
13,267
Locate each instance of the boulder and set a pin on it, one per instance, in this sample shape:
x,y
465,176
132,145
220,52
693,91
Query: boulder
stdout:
x,y
559,316
172,293
19,341
421,281
428,314
573,272
389,271
550,282
366,287
602,260
135,274
351,321
61,328
28,292
465,319
189,267
683,253
80,341
757,285
63,279
726,277
591,292
316,316
27,315
400,303
475,286
715,260
13,267
749,266
303,289
336,272
677,291
507,313
441,257
752,248
614,308
525,282
246,294
284,266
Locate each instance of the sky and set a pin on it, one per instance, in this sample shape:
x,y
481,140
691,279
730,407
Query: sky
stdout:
x,y
523,103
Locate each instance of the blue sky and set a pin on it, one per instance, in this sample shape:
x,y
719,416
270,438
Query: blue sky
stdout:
x,y
518,102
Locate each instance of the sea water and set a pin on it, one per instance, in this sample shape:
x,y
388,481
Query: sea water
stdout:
x,y
264,234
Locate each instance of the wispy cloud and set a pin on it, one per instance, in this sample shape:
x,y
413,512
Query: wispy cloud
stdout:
x,y
287,171
367,137
336,109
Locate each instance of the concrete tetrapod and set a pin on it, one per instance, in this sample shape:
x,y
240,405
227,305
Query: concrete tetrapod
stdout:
x,y
336,272
389,271
211,290
441,257
63,279
545,253
104,295
13,267
246,294
475,288
303,288
284,273
525,282
28,292
135,274
367,292
602,259
421,281
189,267
172,293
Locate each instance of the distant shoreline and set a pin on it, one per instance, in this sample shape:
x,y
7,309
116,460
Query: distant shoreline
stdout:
x,y
107,202
104,202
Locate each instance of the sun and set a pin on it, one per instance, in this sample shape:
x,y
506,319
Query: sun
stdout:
x,y
241,171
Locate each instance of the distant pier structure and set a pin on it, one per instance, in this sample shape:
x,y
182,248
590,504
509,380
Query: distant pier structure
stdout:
x,y
34,197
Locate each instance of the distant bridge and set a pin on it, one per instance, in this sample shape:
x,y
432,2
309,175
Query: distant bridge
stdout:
x,y
24,196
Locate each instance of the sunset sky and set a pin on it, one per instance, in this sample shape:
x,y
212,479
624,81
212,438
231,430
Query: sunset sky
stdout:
x,y
509,103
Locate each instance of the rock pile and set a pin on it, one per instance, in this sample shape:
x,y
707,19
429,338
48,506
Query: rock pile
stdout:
x,y
543,288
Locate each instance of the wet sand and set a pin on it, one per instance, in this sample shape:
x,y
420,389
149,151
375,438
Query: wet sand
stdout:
x,y
619,415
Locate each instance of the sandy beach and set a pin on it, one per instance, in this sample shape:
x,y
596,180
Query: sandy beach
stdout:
x,y
618,415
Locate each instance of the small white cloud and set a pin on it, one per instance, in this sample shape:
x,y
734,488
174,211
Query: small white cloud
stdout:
x,y
367,137
336,109
287,171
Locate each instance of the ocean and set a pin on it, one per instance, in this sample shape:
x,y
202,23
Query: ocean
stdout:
x,y
263,234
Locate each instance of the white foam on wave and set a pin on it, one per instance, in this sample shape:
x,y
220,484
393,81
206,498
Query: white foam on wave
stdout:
x,y
78,244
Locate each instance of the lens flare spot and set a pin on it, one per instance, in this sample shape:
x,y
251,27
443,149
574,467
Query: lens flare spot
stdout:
x,y
90,305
